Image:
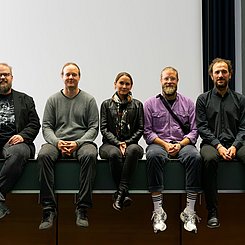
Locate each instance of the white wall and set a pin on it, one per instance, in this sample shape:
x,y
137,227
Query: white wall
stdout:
x,y
103,37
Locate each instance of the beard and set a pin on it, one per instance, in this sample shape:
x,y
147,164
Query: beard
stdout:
x,y
221,85
169,90
5,87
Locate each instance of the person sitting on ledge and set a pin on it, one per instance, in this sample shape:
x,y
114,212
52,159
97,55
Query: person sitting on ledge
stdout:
x,y
19,126
122,125
220,115
170,131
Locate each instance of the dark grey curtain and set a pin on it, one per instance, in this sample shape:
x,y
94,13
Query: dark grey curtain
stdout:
x,y
218,35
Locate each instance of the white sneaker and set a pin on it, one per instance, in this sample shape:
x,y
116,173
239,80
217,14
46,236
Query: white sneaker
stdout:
x,y
189,219
159,217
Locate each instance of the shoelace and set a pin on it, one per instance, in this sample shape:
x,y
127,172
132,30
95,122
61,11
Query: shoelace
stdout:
x,y
192,217
157,216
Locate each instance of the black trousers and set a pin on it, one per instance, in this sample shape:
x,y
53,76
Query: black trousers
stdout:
x,y
122,167
211,159
87,157
16,157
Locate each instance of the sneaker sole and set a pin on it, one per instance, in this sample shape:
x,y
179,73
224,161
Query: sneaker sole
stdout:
x,y
213,227
84,224
42,227
158,231
114,206
182,217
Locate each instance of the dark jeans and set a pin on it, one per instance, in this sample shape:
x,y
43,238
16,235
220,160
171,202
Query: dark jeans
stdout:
x,y
87,157
122,167
188,156
211,158
16,157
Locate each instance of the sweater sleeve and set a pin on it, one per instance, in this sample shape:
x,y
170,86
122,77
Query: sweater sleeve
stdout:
x,y
92,115
49,121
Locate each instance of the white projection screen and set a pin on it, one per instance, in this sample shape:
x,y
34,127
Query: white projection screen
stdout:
x,y
104,37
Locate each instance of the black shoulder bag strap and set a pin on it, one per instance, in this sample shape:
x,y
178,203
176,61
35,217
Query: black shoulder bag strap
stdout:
x,y
165,103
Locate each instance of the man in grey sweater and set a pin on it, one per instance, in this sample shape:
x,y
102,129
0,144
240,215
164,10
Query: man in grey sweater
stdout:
x,y
70,126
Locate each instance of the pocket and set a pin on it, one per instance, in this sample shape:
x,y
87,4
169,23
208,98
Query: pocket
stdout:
x,y
158,120
183,116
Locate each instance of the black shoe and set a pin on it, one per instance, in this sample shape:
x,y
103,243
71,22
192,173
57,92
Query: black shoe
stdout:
x,y
119,200
4,210
127,201
82,217
213,220
49,215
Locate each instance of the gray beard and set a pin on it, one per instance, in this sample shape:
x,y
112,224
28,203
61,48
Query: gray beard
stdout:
x,y
5,89
169,90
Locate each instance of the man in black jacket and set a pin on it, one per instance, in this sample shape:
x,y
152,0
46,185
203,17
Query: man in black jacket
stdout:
x,y
19,126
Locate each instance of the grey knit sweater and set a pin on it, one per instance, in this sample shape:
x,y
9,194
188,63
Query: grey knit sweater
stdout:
x,y
72,119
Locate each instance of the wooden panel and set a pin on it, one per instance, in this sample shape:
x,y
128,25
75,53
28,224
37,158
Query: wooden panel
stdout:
x,y
107,226
20,227
132,226
232,219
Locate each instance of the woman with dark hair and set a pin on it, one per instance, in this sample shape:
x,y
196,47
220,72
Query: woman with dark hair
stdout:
x,y
122,125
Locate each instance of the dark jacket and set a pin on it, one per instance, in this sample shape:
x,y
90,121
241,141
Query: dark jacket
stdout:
x,y
108,115
27,122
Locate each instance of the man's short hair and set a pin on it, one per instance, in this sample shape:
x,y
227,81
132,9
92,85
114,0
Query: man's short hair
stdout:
x,y
5,64
70,63
219,60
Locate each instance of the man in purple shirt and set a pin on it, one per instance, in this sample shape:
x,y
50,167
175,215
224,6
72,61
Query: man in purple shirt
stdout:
x,y
166,139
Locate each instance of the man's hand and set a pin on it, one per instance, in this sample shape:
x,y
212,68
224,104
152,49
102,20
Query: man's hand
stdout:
x,y
67,147
15,139
173,149
227,154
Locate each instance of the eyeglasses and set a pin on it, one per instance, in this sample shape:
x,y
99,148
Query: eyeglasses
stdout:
x,y
5,74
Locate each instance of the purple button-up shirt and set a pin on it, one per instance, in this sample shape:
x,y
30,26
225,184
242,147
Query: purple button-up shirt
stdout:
x,y
159,122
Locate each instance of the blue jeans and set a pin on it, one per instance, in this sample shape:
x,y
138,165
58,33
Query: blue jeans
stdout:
x,y
16,157
188,156
87,157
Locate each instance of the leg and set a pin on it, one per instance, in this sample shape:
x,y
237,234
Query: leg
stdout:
x,y
46,160
114,156
16,157
87,156
191,159
210,166
156,157
132,155
241,154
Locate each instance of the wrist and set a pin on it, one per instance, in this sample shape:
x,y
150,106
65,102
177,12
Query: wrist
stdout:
x,y
218,146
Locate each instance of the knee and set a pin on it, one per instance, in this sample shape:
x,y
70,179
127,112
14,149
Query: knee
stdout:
x,y
196,156
92,155
209,160
134,151
114,156
42,157
152,155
